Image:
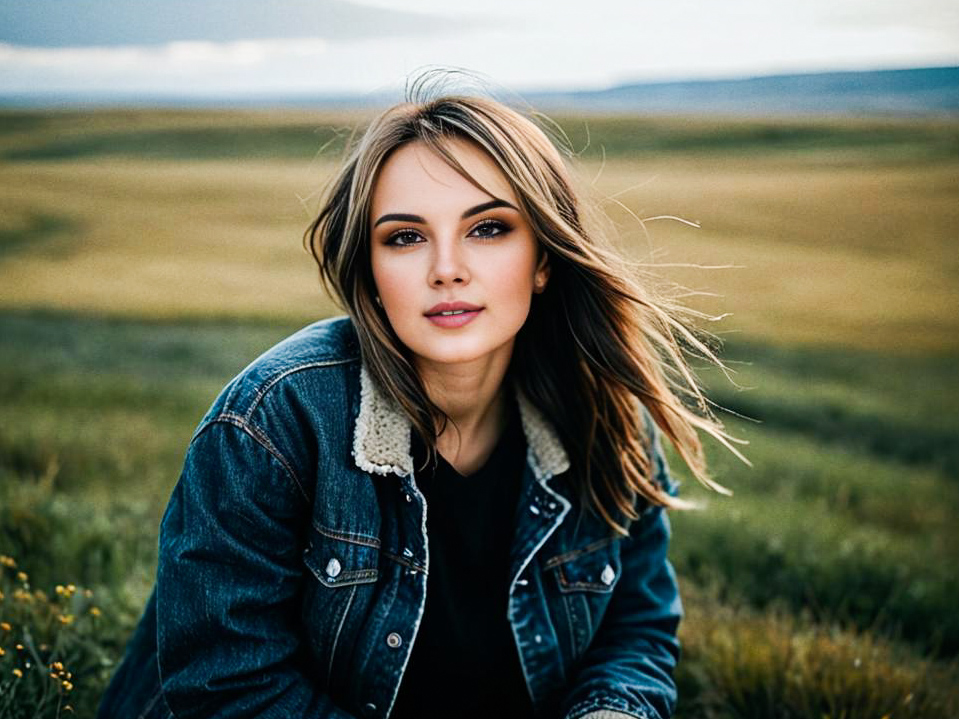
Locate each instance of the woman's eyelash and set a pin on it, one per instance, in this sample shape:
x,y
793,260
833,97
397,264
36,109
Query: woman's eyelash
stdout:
x,y
391,240
502,227
499,226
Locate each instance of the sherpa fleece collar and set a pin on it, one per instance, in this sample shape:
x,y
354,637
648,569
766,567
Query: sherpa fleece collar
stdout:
x,y
381,437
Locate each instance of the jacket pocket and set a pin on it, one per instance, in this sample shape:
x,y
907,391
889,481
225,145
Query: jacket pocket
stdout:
x,y
584,579
343,573
591,568
338,562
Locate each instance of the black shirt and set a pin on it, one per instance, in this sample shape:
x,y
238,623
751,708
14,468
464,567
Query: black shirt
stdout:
x,y
464,661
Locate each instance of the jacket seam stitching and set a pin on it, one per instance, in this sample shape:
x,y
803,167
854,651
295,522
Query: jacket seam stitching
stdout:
x,y
360,539
263,440
274,379
575,553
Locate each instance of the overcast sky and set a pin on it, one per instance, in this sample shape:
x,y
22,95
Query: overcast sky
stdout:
x,y
239,47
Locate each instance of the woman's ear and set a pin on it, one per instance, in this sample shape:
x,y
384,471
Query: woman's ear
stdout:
x,y
541,276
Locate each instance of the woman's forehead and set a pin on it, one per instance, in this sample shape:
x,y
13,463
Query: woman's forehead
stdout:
x,y
414,170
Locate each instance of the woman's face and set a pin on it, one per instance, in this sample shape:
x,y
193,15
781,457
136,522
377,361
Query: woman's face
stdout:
x,y
439,240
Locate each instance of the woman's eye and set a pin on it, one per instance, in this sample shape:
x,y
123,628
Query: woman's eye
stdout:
x,y
490,228
403,238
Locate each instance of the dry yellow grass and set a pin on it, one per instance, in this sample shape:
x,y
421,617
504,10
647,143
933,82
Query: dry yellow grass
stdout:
x,y
164,239
826,254
854,256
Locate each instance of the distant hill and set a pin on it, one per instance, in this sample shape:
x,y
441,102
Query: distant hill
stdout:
x,y
914,92
919,92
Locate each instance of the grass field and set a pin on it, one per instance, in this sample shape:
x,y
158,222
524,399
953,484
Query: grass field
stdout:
x,y
146,257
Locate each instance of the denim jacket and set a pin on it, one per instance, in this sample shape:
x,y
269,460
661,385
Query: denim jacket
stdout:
x,y
293,560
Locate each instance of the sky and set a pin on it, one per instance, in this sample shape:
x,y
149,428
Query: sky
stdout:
x,y
237,48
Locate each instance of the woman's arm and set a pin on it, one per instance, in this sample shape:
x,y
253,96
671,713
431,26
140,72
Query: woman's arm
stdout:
x,y
228,639
629,665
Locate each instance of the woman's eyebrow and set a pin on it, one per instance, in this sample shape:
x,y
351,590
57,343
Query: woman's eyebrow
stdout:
x,y
401,217
398,217
492,204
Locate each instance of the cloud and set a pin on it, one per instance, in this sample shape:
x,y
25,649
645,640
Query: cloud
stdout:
x,y
189,54
941,16
187,66
107,23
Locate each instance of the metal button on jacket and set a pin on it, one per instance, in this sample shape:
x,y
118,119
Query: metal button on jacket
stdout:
x,y
333,568
394,640
607,576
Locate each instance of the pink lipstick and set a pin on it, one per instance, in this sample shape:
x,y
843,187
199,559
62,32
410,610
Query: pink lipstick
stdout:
x,y
452,314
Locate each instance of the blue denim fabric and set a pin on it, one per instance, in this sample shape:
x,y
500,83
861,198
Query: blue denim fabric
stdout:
x,y
292,581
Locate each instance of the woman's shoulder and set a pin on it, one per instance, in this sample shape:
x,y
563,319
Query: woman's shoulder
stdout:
x,y
312,364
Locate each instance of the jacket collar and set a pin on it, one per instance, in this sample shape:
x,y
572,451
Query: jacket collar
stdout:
x,y
381,437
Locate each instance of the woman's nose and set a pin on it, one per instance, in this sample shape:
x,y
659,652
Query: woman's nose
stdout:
x,y
448,262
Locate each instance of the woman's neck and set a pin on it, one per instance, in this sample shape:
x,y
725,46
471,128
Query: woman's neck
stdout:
x,y
474,396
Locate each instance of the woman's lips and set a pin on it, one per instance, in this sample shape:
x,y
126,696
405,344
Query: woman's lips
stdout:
x,y
457,320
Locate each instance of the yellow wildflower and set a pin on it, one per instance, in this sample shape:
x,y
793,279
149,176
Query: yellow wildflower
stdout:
x,y
2,651
7,561
65,618
22,576
95,611
5,626
60,590
67,685
17,673
57,665
20,647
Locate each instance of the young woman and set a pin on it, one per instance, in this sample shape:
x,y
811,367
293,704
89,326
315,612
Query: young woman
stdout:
x,y
449,502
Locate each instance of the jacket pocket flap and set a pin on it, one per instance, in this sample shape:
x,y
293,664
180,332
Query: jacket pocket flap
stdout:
x,y
594,568
338,562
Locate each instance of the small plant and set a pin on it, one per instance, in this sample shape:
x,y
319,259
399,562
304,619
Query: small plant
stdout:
x,y
48,646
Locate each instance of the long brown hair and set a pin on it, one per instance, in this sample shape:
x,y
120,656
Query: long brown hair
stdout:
x,y
597,342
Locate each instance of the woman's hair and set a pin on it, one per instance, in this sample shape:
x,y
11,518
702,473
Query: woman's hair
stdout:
x,y
597,342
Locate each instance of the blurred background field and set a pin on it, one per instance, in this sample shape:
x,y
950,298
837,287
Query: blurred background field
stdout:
x,y
147,256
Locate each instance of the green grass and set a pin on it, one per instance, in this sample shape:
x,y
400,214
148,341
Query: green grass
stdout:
x,y
199,143
739,663
860,140
904,409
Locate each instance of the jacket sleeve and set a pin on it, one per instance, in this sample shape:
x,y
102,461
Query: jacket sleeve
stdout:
x,y
627,671
228,574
